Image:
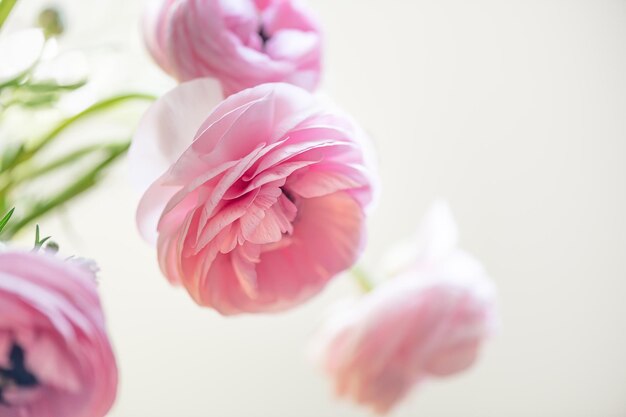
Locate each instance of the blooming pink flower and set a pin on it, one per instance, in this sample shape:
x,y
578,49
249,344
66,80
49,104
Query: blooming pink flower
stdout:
x,y
429,321
259,203
242,43
55,357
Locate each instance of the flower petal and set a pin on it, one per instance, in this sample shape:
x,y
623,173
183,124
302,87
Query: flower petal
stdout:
x,y
168,128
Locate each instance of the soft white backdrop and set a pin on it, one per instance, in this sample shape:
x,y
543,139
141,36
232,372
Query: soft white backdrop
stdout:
x,y
515,111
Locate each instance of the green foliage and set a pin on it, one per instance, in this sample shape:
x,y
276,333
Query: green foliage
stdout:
x,y
21,163
38,241
5,9
19,166
5,220
32,94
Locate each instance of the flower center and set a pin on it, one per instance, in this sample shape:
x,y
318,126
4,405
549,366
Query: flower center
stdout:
x,y
16,375
264,36
288,194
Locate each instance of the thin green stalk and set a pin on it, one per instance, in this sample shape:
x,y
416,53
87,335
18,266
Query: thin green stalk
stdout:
x,y
16,177
47,87
362,279
5,220
5,10
95,108
58,163
84,183
44,141
13,82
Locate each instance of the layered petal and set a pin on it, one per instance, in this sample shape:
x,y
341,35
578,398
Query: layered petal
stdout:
x,y
265,205
428,321
241,43
56,358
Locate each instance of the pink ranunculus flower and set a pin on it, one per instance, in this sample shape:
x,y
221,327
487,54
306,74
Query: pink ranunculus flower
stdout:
x,y
55,356
428,321
242,43
256,204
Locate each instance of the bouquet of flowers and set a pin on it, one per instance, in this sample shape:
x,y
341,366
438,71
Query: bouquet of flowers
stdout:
x,y
255,192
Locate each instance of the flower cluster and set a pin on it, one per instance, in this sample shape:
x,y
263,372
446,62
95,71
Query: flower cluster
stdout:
x,y
255,193
257,198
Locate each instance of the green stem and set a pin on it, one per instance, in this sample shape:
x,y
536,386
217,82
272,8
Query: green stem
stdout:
x,y
100,106
5,9
84,183
5,220
95,108
13,82
58,163
362,279
14,178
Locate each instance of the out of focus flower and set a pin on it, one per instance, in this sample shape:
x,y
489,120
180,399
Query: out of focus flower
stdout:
x,y
55,356
64,69
256,204
428,321
20,52
242,43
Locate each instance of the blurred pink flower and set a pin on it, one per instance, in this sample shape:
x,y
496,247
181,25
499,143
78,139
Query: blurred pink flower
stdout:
x,y
55,357
257,204
242,43
428,321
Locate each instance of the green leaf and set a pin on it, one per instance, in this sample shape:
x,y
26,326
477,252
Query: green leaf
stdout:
x,y
83,183
39,242
36,235
96,108
10,154
50,86
5,9
34,101
61,162
30,94
6,219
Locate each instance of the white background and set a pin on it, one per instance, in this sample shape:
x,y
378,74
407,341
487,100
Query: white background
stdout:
x,y
514,111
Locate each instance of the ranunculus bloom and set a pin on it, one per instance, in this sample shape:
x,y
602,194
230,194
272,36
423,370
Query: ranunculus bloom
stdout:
x,y
242,43
428,321
55,357
259,203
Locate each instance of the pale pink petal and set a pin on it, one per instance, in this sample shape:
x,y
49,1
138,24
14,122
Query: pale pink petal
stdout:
x,y
50,312
242,44
430,320
264,206
168,128
328,236
292,44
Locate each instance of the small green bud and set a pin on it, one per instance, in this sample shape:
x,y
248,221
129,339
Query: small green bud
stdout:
x,y
51,21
